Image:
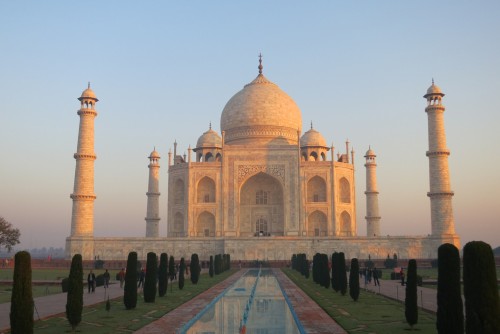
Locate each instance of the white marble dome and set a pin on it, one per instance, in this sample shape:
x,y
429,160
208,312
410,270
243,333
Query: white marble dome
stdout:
x,y
209,138
261,113
312,138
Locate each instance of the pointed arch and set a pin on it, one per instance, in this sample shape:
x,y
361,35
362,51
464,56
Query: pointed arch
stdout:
x,y
261,197
313,156
205,190
178,229
209,157
179,191
345,190
205,225
316,189
218,157
345,224
317,224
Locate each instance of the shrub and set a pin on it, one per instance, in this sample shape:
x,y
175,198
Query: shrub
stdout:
x,y
217,264
482,305
65,284
130,289
211,266
21,303
354,279
151,276
335,272
182,268
171,270
411,310
74,298
342,274
99,280
194,268
450,315
306,268
163,275
325,272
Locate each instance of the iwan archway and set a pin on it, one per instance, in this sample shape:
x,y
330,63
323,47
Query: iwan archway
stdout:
x,y
261,207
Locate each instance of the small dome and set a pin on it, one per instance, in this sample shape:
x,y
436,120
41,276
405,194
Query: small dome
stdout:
x,y
88,94
433,90
209,139
312,138
154,154
370,153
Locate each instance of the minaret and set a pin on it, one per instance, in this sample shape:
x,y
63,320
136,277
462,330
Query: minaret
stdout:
x,y
152,215
372,213
82,218
440,194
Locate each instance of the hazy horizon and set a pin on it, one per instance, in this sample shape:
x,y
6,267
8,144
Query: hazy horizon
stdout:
x,y
163,71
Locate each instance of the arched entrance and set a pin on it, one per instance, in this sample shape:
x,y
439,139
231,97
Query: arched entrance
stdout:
x,y
261,206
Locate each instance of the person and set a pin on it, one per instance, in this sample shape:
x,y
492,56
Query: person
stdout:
x,y
141,278
91,281
106,279
402,274
121,277
375,276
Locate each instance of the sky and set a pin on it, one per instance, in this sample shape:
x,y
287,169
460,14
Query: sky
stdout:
x,y
163,70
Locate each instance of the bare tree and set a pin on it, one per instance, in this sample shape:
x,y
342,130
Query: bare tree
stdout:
x,y
9,236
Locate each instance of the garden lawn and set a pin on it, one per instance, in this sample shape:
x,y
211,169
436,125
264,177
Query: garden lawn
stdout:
x,y
372,313
97,320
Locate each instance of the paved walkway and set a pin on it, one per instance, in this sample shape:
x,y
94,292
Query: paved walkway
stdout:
x,y
51,305
426,297
312,317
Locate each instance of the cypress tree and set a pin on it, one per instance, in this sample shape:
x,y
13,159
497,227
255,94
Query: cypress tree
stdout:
x,y
335,272
74,298
306,268
194,268
21,302
342,274
325,272
151,276
315,268
482,305
182,268
130,289
411,309
171,270
294,261
450,315
217,264
211,266
228,261
163,275
354,280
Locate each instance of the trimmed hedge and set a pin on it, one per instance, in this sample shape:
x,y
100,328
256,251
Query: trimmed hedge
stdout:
x,y
450,314
182,269
482,305
194,268
151,277
411,309
354,279
21,302
74,298
163,275
130,290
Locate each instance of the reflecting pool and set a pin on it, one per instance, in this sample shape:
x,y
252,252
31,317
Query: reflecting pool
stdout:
x,y
253,304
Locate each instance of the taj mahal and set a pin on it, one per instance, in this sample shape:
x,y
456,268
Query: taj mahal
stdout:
x,y
261,189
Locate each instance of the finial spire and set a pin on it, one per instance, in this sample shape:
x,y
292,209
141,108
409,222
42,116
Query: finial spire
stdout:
x,y
210,125
311,125
88,85
432,81
260,63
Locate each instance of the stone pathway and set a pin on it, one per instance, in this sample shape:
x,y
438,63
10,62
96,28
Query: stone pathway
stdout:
x,y
313,318
426,297
51,305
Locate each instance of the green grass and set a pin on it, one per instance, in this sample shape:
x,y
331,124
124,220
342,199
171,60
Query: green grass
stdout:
x,y
37,274
97,320
372,313
38,291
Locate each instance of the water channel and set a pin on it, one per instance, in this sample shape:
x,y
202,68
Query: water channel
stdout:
x,y
254,304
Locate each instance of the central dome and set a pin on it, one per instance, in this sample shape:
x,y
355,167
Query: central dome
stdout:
x,y
261,113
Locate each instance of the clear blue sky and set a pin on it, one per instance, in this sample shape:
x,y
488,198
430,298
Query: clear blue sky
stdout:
x,y
163,70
